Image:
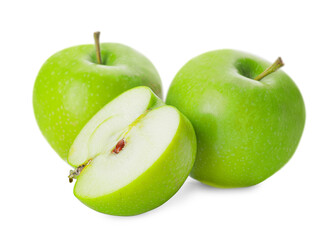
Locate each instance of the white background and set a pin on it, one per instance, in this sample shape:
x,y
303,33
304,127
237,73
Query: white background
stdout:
x,y
296,203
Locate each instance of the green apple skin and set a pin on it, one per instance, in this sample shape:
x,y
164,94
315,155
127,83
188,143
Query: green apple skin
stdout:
x,y
71,87
246,129
158,183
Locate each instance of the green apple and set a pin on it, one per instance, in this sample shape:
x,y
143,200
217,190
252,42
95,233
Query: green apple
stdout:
x,y
248,120
75,83
133,155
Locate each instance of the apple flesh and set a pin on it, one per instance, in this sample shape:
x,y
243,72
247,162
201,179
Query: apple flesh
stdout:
x,y
246,129
133,155
71,87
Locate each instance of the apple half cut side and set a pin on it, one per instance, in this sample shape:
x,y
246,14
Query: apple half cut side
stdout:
x,y
133,155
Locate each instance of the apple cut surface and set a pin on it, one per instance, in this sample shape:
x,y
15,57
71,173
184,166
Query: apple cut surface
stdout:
x,y
110,123
135,152
145,142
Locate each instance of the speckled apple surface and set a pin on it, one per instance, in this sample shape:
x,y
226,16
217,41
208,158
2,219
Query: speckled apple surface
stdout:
x,y
156,159
71,87
246,129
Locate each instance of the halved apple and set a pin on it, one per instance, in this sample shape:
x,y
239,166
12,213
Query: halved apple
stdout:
x,y
133,155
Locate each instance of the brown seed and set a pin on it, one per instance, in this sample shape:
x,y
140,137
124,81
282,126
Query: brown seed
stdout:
x,y
120,145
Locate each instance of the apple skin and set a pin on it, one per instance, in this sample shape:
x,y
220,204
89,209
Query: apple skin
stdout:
x,y
246,129
71,87
159,182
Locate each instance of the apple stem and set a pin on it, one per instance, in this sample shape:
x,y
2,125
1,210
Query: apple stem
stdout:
x,y
275,66
98,48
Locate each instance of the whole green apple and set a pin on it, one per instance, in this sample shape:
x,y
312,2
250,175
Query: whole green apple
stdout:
x,y
248,118
76,82
133,155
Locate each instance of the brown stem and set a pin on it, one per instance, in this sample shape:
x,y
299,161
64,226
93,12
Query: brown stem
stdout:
x,y
275,66
98,48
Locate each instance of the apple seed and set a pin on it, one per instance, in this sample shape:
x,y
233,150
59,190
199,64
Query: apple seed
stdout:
x,y
120,145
